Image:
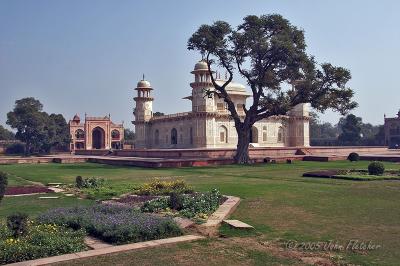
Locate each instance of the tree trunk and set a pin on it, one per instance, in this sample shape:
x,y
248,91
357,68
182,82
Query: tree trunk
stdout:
x,y
242,151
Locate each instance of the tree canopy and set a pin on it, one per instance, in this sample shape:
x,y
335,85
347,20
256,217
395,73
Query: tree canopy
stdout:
x,y
6,134
38,130
270,53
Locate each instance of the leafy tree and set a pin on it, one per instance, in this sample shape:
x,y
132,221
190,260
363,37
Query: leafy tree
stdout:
x,y
129,134
6,134
57,133
351,130
38,130
158,114
322,133
3,184
269,52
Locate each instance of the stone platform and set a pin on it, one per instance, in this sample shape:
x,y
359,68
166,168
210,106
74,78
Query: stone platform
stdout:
x,y
204,157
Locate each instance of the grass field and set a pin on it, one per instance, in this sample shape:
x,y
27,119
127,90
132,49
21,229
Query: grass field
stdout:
x,y
276,200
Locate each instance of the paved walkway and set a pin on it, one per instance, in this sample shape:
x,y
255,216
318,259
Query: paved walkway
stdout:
x,y
108,250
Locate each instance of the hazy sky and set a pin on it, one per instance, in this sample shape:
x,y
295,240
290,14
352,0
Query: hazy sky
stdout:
x,y
87,56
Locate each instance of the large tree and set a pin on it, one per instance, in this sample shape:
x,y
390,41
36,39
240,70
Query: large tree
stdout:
x,y
270,53
351,130
6,134
38,130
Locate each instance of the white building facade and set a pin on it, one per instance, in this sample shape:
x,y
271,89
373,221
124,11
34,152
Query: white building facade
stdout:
x,y
208,124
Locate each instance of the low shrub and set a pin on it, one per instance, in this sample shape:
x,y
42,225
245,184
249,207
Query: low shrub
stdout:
x,y
3,184
376,168
15,149
201,203
89,182
156,205
40,240
192,205
79,181
113,223
176,201
353,157
158,187
17,223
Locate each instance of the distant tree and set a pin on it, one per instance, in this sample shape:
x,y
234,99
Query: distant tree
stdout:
x,y
6,134
270,54
158,114
351,130
57,133
129,134
322,133
38,130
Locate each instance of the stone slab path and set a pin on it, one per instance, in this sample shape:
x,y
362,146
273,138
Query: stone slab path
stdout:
x,y
222,212
95,243
238,224
183,222
108,250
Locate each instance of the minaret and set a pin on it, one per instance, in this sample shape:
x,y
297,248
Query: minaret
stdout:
x,y
202,82
143,111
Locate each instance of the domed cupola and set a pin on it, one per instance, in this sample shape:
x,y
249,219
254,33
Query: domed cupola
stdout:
x,y
76,119
201,73
143,84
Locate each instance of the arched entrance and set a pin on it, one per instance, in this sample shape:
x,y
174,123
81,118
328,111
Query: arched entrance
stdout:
x,y
98,138
254,135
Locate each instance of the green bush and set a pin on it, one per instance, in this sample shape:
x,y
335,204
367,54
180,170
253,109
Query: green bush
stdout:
x,y
79,181
353,157
41,240
192,205
376,168
113,223
15,149
176,201
158,187
17,223
3,184
89,182
156,205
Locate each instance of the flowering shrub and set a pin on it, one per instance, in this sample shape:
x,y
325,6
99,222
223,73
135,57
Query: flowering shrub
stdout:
x,y
17,223
41,240
89,182
3,184
198,205
112,223
158,187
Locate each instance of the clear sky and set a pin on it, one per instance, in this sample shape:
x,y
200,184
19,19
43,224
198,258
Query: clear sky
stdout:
x,y
79,56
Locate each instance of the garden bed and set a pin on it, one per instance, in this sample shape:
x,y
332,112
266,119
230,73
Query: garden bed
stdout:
x,y
39,241
354,174
21,190
112,223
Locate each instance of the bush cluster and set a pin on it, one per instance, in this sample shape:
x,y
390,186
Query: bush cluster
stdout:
x,y
3,184
15,149
376,168
113,223
17,223
158,187
40,240
89,182
188,205
353,157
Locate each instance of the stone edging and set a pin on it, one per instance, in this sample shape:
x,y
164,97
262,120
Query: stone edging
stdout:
x,y
108,250
224,210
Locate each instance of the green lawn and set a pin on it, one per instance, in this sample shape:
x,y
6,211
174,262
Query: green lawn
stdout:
x,y
280,203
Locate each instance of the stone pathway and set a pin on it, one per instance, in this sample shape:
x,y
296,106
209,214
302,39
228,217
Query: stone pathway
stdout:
x,y
95,243
210,227
183,222
108,250
238,224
